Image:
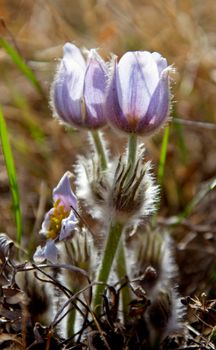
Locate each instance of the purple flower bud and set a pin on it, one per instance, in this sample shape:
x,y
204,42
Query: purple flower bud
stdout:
x,y
78,93
138,96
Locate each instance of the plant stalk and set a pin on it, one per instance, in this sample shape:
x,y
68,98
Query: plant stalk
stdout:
x,y
71,322
100,149
122,272
132,153
106,263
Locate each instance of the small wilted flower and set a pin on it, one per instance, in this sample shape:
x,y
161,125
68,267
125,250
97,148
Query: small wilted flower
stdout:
x,y
138,98
116,194
153,261
78,92
59,222
133,195
156,271
92,184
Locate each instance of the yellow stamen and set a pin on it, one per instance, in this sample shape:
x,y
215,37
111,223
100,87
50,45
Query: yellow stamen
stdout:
x,y
59,213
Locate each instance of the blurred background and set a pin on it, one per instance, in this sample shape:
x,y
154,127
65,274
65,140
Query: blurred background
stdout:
x,y
182,31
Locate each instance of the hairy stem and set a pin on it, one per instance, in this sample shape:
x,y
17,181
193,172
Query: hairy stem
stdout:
x,y
132,153
122,272
100,149
71,322
110,250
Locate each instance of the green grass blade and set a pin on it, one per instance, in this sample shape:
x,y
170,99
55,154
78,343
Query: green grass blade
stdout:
x,y
163,154
28,118
204,190
181,141
11,171
20,63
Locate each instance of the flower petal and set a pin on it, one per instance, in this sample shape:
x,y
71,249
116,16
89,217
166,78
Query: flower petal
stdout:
x,y
67,88
158,108
72,53
160,61
113,110
67,226
66,108
46,223
64,192
94,90
137,79
49,252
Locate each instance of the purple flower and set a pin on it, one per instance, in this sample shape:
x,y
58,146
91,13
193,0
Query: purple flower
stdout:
x,y
59,222
138,96
78,92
